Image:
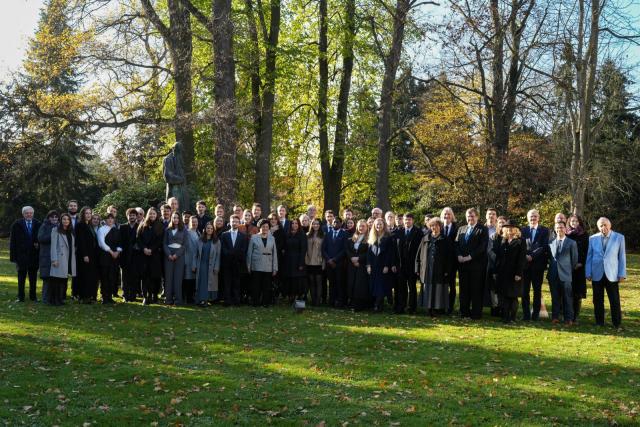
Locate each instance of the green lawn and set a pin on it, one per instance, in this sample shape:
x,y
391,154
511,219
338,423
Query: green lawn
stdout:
x,y
133,365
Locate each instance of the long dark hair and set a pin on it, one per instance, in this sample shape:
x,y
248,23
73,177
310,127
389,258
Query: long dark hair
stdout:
x,y
180,223
82,212
214,236
312,233
156,225
297,221
61,230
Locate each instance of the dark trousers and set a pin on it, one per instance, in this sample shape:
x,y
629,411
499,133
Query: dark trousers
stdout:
x,y
471,290
532,279
32,273
75,287
130,283
109,272
509,307
232,287
452,288
261,286
315,286
406,291
561,300
150,286
188,290
613,293
45,289
56,288
335,277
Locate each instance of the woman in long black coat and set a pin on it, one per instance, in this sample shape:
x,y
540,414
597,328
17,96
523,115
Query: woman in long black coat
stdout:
x,y
576,231
281,241
380,261
511,259
294,271
358,293
87,257
149,239
433,264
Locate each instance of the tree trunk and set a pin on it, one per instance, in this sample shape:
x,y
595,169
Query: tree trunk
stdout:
x,y
225,104
586,64
263,157
254,70
391,62
332,174
323,88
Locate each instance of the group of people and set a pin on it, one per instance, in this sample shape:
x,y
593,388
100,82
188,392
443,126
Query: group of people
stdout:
x,y
243,258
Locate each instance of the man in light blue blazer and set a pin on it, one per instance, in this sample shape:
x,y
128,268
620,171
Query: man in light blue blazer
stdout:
x,y
563,258
606,266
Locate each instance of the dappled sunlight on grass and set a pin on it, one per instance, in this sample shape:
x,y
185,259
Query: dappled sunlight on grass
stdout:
x,y
133,365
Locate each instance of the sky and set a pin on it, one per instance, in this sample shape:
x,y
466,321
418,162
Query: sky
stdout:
x,y
18,22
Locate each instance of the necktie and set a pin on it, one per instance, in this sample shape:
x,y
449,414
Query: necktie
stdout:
x,y
406,233
446,230
560,245
468,234
533,234
335,235
233,238
29,227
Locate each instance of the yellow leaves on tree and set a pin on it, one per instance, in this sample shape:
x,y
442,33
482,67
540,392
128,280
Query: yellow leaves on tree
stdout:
x,y
455,164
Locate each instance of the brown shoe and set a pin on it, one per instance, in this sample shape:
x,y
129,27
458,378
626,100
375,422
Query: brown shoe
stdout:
x,y
555,321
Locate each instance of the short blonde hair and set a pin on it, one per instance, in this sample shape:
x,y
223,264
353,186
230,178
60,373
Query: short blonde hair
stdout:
x,y
505,231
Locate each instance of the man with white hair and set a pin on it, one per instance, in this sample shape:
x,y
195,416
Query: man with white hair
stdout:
x,y
24,251
537,238
606,266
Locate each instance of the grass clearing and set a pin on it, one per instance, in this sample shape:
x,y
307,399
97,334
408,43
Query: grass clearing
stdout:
x,y
133,365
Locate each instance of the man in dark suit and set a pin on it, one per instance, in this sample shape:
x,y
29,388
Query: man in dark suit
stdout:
x,y
394,231
130,277
285,224
233,263
537,238
24,251
203,218
72,209
450,231
334,252
327,222
471,250
408,244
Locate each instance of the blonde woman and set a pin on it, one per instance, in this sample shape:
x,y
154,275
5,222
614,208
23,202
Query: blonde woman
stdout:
x,y
511,252
379,262
358,294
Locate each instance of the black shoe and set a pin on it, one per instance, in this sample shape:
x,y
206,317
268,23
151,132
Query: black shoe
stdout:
x,y
20,300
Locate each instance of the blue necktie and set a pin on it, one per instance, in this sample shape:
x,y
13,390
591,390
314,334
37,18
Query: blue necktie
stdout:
x,y
468,234
29,227
533,234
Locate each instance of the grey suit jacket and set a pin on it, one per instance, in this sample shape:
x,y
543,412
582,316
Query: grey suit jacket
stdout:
x,y
562,263
60,252
261,258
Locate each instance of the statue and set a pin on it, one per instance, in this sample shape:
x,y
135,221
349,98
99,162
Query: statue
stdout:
x,y
173,171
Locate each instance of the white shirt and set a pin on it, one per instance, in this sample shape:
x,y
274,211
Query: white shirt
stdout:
x,y
101,234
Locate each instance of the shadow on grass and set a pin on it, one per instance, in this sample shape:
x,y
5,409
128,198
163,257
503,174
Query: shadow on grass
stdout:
x,y
270,364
